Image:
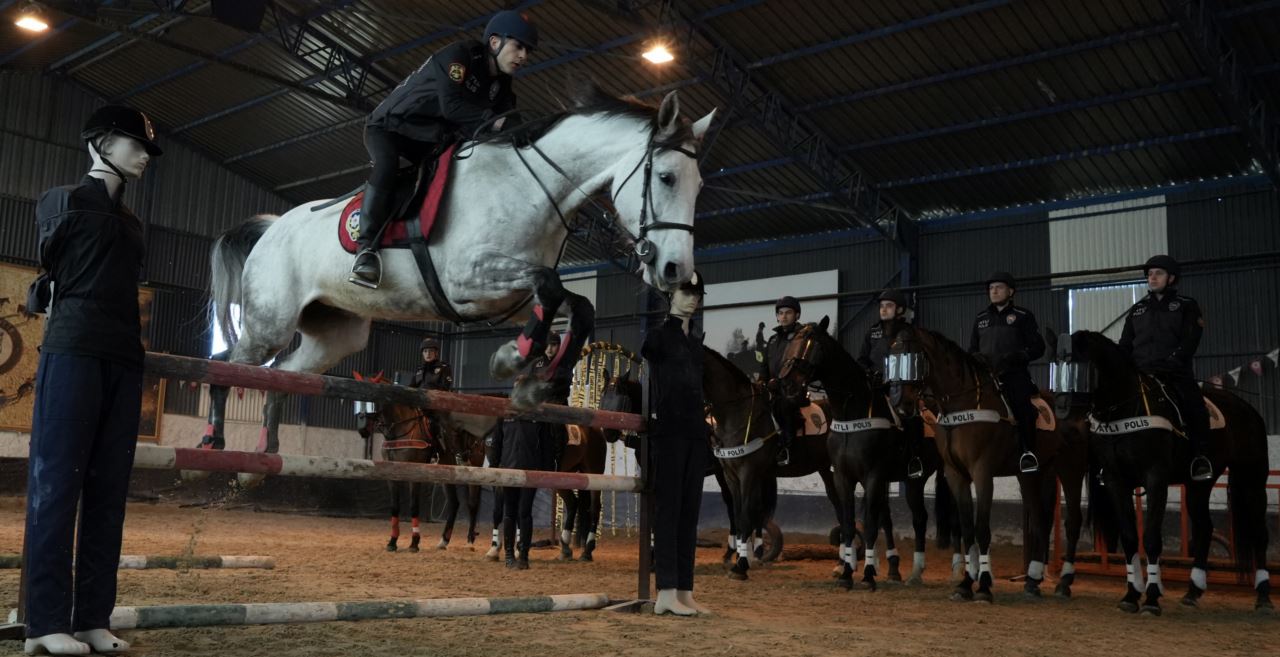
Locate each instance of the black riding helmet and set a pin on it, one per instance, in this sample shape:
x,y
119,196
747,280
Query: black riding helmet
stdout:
x,y
897,296
1164,262
429,343
122,120
787,302
1003,277
512,25
695,284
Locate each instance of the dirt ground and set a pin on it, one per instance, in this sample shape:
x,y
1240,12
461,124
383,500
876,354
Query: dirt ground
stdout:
x,y
790,608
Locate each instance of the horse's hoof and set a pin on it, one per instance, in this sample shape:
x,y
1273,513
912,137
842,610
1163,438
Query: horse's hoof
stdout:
x,y
895,576
193,476
1128,606
734,574
961,595
528,392
1264,607
1151,610
868,584
915,580
442,545
1062,591
249,480
983,596
391,547
491,555
1033,595
837,571
586,556
505,362
1192,597
413,548
845,583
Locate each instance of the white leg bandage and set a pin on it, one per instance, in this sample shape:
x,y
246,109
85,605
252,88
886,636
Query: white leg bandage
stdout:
x,y
917,561
565,537
1153,576
1068,568
1261,576
1035,570
1200,578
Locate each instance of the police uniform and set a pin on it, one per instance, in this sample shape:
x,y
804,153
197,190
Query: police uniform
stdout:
x,y
449,98
88,393
875,348
774,351
436,375
678,438
1009,338
1161,334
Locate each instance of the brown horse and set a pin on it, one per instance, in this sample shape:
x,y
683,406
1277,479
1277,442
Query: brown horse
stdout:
x,y
1136,441
585,451
462,442
407,438
866,446
747,449
978,442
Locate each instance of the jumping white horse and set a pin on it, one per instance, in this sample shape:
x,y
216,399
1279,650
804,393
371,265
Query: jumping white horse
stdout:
x,y
496,242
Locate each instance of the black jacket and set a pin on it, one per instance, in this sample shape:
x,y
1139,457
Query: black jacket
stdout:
x,y
675,370
1162,335
1009,338
775,349
522,444
449,96
92,249
875,346
435,375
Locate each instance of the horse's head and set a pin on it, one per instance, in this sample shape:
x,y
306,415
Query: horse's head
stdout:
x,y
654,189
805,355
620,394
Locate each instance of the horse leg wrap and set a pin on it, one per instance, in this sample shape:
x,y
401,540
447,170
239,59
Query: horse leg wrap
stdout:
x,y
565,536
744,550
984,564
917,561
1260,577
591,539
971,562
1200,578
1068,568
416,530
1153,576
846,555
534,336
1133,573
262,439
1035,570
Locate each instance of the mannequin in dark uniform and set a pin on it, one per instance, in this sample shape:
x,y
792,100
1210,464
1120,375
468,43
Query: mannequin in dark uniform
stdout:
x,y
88,391
1007,336
894,309
457,91
1162,332
678,437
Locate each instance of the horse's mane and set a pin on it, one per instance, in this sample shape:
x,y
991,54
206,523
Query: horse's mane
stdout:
x,y
591,100
733,371
958,352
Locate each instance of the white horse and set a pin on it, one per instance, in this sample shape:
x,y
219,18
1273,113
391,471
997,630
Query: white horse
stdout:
x,y
496,242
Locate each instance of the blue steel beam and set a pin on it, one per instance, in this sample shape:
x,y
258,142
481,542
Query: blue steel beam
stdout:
x,y
93,47
374,58
764,205
1062,157
879,32
1226,65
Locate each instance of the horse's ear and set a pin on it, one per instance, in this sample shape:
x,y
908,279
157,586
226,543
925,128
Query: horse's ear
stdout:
x,y
357,375
669,114
822,325
700,126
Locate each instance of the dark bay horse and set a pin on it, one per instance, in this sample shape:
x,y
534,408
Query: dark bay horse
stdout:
x,y
866,446
462,442
747,451
406,438
585,451
978,442
1137,440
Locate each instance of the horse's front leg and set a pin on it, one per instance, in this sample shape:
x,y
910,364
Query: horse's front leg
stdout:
x,y
473,512
1153,541
450,515
415,508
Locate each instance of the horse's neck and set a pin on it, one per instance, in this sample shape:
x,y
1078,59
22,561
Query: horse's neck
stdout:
x,y
585,148
964,387
845,382
737,406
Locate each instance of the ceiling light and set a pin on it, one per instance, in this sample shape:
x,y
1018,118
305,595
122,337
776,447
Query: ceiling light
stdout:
x,y
658,54
31,19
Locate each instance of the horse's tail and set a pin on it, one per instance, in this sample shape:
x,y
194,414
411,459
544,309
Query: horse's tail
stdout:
x,y
1247,495
1102,515
944,511
226,260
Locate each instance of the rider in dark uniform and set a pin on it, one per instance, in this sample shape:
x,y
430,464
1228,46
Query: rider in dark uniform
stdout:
x,y
1007,336
1162,332
787,310
894,306
88,391
457,91
434,374
679,438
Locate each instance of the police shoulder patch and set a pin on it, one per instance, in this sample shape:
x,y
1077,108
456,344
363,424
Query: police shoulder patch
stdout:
x,y
457,71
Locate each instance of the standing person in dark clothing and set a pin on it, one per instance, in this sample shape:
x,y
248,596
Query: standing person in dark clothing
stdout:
x,y
1162,332
894,307
1007,336
88,391
679,448
456,92
787,311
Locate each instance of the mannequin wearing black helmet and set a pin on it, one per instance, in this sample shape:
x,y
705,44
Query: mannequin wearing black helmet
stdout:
x,y
787,312
88,391
1162,332
678,435
1007,336
894,309
457,91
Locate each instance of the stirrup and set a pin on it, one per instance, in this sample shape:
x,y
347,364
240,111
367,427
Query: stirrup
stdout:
x,y
915,468
360,280
1028,463
784,456
1201,468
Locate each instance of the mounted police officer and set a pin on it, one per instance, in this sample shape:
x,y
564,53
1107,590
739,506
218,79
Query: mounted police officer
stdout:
x,y
893,312
433,374
89,390
456,92
1007,337
1162,332
787,311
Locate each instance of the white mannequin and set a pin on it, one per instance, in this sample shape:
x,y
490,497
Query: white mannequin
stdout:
x,y
684,303
128,156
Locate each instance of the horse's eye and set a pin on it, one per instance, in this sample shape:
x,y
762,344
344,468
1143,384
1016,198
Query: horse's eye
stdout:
x,y
668,179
